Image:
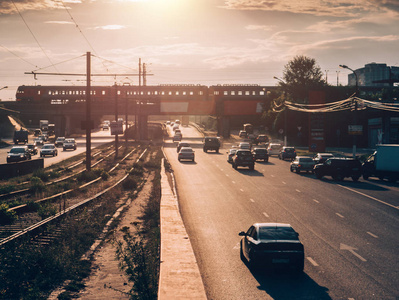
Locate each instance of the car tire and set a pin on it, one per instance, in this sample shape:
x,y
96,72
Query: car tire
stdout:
x,y
217,150
318,175
291,169
298,171
337,177
366,176
252,167
178,159
235,166
355,178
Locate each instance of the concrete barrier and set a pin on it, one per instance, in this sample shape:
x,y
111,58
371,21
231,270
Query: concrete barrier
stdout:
x,y
20,168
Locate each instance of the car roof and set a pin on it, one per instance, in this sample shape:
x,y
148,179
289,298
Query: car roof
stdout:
x,y
186,148
271,225
18,147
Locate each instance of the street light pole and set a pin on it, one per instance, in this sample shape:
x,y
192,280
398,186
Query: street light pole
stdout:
x,y
4,87
355,113
285,112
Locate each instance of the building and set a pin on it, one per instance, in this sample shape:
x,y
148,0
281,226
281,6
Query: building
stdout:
x,y
375,75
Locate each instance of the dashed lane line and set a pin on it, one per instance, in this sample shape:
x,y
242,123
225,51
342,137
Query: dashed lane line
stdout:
x,y
316,201
298,190
372,234
312,261
252,200
241,190
339,215
370,197
266,215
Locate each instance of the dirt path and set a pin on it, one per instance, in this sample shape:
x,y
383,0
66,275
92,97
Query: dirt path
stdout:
x,y
107,281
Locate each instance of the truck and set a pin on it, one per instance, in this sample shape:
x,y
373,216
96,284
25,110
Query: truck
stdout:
x,y
44,125
383,163
249,128
20,136
211,143
51,129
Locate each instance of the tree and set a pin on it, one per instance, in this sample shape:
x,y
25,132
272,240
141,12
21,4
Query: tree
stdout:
x,y
300,75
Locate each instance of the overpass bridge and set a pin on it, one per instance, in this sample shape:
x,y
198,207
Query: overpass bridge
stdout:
x,y
65,106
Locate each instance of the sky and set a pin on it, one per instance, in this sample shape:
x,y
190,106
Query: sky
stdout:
x,y
205,42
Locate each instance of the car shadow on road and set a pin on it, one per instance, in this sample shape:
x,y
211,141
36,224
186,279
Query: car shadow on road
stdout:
x,y
250,172
188,162
361,185
282,284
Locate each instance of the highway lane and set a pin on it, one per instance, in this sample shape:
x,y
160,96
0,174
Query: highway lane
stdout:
x,y
350,238
98,138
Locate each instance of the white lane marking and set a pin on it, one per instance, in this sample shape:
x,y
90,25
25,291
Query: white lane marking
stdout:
x,y
370,197
372,234
266,215
227,175
351,250
272,175
312,261
252,200
298,190
284,182
237,246
241,190
316,201
233,182
339,215
221,169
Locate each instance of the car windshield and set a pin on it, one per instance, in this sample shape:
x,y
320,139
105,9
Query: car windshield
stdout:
x,y
186,150
69,141
289,149
48,147
17,150
244,153
277,233
260,150
306,159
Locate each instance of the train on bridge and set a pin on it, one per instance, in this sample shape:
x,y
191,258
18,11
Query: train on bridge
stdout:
x,y
237,99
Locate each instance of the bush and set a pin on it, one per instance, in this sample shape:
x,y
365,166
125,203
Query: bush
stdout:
x,y
129,184
37,185
46,210
6,216
40,173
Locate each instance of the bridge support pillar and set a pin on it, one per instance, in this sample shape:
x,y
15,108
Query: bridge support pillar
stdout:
x,y
143,127
60,121
223,125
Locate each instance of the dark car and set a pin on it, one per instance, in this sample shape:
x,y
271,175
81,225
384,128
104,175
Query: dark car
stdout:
x,y
302,163
339,168
261,139
320,158
287,153
32,148
272,245
211,143
243,158
18,153
260,154
182,144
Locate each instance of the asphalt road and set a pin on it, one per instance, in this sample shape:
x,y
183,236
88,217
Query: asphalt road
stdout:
x,y
349,230
98,138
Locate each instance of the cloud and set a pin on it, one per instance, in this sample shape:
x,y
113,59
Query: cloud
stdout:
x,y
110,27
343,8
12,7
259,27
60,22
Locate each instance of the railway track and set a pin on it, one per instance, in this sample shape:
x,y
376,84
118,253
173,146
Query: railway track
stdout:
x,y
30,222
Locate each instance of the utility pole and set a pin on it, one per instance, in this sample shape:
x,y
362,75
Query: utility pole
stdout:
x,y
337,77
144,75
88,112
116,120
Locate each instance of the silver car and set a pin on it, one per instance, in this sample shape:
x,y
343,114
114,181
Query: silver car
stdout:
x,y
186,153
48,149
302,163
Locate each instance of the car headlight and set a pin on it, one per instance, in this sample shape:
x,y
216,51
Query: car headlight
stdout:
x,y
22,155
8,156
